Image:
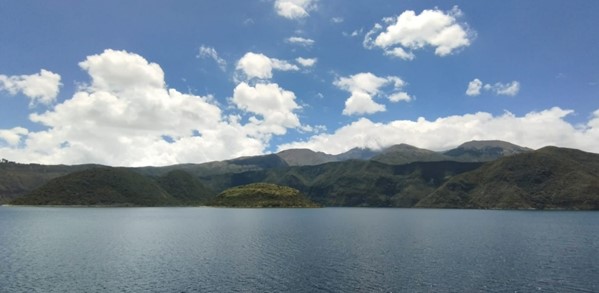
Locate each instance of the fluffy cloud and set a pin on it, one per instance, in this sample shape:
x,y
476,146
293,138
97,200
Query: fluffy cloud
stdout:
x,y
274,104
13,136
409,31
127,116
209,52
364,87
504,89
474,87
306,62
40,88
259,66
509,89
300,41
534,130
294,9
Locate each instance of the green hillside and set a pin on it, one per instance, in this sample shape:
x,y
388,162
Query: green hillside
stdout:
x,y
100,187
354,182
18,179
404,154
185,188
260,195
549,178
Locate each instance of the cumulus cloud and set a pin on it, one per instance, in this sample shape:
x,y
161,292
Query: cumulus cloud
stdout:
x,y
534,130
294,9
259,66
504,89
300,41
400,36
364,87
13,136
40,88
474,87
274,104
509,89
210,53
306,62
127,116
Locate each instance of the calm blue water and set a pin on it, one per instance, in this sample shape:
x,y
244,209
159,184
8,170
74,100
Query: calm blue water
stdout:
x,y
305,250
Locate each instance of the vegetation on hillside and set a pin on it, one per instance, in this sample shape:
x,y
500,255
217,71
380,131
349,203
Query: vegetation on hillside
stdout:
x,y
354,182
550,178
112,187
17,179
185,188
261,195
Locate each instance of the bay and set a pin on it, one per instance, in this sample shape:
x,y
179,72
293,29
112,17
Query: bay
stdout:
x,y
51,249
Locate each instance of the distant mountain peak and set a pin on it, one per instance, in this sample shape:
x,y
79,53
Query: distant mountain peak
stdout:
x,y
405,153
304,157
357,153
485,150
481,144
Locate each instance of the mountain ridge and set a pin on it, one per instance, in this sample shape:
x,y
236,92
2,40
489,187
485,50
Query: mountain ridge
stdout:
x,y
398,176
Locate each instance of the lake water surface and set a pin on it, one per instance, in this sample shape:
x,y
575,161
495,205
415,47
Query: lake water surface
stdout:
x,y
303,250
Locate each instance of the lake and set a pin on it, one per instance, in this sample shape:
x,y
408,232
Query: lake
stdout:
x,y
49,249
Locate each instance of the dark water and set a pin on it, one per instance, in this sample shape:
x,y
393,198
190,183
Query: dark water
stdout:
x,y
305,250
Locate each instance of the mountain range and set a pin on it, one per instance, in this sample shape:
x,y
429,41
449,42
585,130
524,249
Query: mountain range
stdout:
x,y
476,174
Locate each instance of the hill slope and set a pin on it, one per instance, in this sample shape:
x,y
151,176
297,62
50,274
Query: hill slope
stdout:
x,y
185,188
18,179
484,151
549,178
354,182
100,186
404,154
305,157
262,195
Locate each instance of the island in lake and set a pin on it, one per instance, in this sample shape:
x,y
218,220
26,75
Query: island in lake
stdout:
x,y
262,195
476,174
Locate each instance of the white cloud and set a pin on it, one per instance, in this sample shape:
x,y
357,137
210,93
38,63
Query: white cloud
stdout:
x,y
364,87
400,96
13,136
353,34
306,62
120,71
474,87
40,88
510,89
360,103
399,52
504,89
123,116
534,130
255,65
294,9
273,103
337,19
209,52
408,32
300,41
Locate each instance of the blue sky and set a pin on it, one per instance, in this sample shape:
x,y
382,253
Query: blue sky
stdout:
x,y
165,82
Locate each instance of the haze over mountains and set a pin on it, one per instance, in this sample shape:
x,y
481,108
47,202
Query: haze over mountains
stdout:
x,y
477,174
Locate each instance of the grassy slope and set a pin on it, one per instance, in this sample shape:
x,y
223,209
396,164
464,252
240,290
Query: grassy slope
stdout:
x,y
261,195
19,179
354,182
185,188
99,186
550,178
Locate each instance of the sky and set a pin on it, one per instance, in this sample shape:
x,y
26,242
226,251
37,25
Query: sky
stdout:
x,y
138,83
